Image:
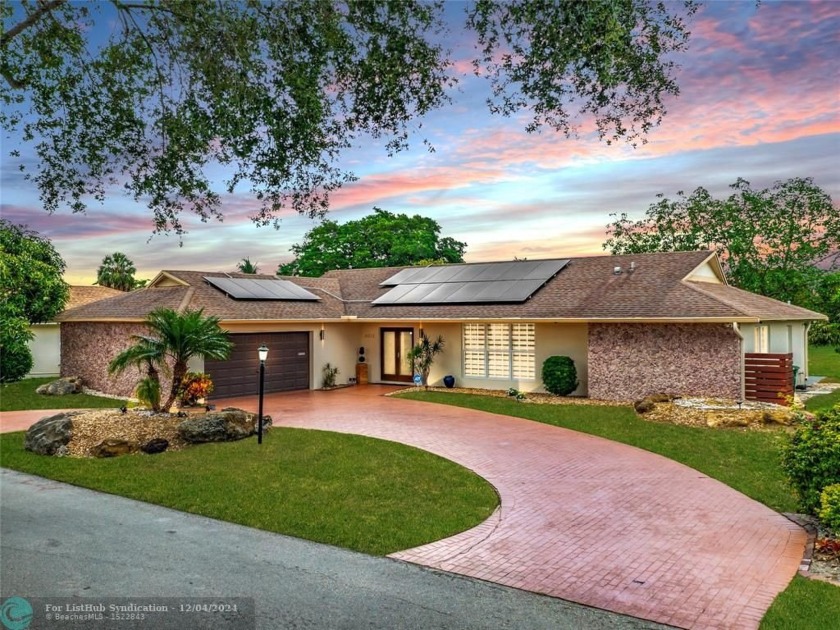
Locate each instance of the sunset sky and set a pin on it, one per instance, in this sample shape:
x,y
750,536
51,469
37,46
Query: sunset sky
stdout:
x,y
760,91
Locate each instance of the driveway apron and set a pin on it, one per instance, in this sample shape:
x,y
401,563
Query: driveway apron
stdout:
x,y
581,518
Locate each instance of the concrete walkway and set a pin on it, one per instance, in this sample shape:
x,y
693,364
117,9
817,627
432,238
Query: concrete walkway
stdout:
x,y
581,518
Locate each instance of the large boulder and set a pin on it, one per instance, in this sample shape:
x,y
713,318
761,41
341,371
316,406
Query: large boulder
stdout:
x,y
226,425
50,435
61,387
113,447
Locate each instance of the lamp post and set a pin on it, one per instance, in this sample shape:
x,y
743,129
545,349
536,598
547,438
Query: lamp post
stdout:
x,y
263,352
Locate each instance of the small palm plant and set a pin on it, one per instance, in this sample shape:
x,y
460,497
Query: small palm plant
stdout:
x,y
422,356
176,338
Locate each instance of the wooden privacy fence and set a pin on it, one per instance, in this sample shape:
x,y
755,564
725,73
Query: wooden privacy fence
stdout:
x,y
768,377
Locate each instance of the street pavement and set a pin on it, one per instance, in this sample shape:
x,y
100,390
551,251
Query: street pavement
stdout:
x,y
61,541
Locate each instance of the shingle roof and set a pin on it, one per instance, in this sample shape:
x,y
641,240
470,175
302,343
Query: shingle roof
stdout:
x,y
80,295
586,289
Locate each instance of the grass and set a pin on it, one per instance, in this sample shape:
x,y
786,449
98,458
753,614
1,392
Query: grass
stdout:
x,y
745,460
369,495
805,604
21,396
823,401
824,361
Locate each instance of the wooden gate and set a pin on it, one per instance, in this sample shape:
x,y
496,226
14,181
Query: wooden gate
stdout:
x,y
768,377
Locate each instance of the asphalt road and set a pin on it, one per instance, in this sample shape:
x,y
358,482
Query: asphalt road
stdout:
x,y
59,541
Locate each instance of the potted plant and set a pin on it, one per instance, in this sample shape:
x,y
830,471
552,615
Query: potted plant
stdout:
x,y
423,355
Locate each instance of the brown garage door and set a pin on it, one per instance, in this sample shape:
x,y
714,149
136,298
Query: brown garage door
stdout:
x,y
287,367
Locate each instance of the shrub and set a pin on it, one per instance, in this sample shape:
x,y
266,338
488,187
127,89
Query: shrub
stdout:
x,y
195,386
559,375
148,392
811,458
830,507
824,334
15,355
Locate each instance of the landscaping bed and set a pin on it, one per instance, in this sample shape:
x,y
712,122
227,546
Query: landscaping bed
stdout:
x,y
93,427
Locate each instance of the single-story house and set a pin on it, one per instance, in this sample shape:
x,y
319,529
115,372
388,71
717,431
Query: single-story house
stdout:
x,y
634,325
45,344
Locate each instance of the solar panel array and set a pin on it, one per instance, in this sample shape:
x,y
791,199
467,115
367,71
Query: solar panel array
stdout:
x,y
476,283
261,289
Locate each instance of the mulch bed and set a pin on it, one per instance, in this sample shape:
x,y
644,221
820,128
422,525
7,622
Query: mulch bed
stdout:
x,y
92,427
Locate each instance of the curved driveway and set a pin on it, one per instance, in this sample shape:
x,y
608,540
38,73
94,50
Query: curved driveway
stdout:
x,y
582,518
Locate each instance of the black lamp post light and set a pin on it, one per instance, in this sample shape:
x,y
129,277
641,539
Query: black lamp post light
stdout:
x,y
263,352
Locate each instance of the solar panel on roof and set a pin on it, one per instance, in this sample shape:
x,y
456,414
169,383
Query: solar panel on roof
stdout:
x,y
514,281
261,289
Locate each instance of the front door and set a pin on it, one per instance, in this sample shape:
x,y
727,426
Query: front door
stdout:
x,y
396,344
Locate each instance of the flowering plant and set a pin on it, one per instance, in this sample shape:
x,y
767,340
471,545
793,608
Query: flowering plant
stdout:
x,y
194,387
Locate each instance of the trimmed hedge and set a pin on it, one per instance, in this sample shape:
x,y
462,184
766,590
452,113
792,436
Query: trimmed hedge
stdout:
x,y
559,375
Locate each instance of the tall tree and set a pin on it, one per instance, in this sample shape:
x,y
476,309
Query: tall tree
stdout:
x,y
31,291
173,340
381,239
769,240
156,93
117,272
246,266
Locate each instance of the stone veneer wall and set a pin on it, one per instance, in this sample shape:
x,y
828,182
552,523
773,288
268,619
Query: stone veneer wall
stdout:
x,y
630,361
88,347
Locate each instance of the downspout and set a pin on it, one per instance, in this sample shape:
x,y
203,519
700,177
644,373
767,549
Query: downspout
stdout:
x,y
743,367
806,361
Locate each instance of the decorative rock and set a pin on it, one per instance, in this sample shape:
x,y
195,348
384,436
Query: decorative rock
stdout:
x,y
227,425
156,445
61,387
643,406
50,435
113,448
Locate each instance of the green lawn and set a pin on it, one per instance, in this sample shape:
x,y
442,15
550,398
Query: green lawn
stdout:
x,y
824,361
823,401
804,605
21,396
352,491
745,460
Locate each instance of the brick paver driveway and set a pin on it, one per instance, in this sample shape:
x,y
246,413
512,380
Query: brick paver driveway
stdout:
x,y
581,518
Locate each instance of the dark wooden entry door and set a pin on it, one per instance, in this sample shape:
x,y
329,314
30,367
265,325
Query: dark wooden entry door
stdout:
x,y
396,343
286,369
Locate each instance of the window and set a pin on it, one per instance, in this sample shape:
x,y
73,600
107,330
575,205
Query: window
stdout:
x,y
499,351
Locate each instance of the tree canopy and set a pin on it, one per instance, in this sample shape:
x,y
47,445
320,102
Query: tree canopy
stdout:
x,y
32,291
117,272
381,239
769,240
153,95
31,283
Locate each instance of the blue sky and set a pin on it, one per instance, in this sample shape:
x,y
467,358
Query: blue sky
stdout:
x,y
760,94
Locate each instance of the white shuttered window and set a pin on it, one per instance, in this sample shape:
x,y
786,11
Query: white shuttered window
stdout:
x,y
499,351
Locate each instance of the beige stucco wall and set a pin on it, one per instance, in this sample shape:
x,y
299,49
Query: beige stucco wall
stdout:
x,y
630,361
784,337
551,339
46,350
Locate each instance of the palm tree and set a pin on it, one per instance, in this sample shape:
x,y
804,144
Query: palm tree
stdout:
x,y
176,338
146,353
117,271
246,266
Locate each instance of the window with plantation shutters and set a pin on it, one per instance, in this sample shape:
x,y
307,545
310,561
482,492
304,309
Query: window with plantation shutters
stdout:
x,y
499,351
474,350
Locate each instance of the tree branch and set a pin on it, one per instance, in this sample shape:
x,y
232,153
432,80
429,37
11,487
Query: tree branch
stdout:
x,y
43,9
